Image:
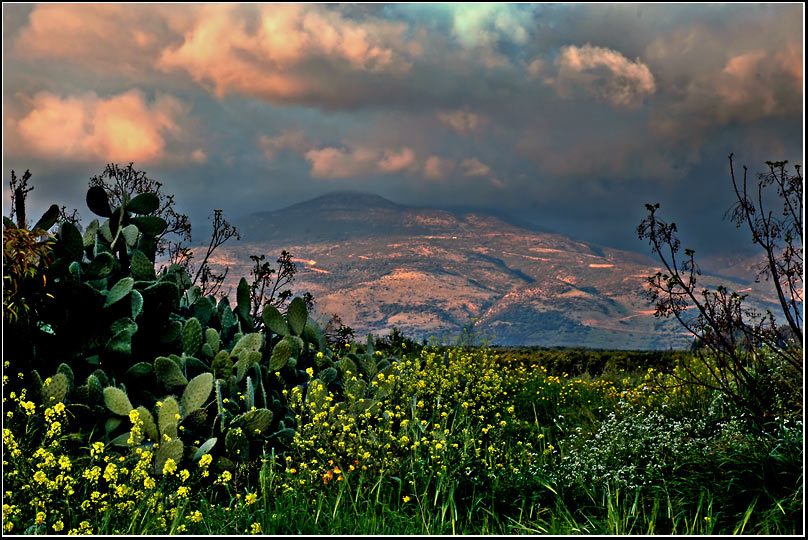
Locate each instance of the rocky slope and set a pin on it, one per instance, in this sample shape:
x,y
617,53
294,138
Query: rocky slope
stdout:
x,y
433,272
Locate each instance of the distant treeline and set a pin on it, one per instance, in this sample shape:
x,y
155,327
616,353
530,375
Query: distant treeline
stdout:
x,y
575,362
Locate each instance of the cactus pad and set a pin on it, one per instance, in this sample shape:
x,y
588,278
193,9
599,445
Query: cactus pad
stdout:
x,y
172,449
119,291
237,445
137,303
206,447
101,265
196,393
168,372
55,391
275,321
249,342
297,315
149,427
222,365
212,339
259,419
280,356
191,336
144,203
142,268
117,401
167,416
328,375
151,225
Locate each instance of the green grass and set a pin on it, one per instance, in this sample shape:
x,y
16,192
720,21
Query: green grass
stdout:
x,y
495,439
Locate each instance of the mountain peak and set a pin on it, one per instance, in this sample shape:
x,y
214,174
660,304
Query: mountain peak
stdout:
x,y
346,200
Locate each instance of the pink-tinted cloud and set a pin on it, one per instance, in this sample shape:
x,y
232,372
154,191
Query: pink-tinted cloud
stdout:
x,y
264,50
438,168
333,162
712,77
474,167
357,161
89,128
293,140
462,120
604,73
394,161
791,61
108,38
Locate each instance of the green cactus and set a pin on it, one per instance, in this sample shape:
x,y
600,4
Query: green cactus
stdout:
x,y
196,393
206,351
280,356
71,240
117,401
275,321
171,332
355,389
348,369
297,315
151,225
149,427
212,339
222,365
246,360
101,265
95,390
166,450
67,371
142,268
55,390
168,372
206,447
255,421
167,417
191,336
88,238
328,375
130,235
243,299
97,201
316,393
137,303
236,444
144,203
247,343
119,291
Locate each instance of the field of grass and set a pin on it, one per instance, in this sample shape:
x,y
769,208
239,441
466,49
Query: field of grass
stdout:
x,y
463,441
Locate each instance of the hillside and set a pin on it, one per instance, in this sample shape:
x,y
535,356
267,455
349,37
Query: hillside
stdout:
x,y
432,272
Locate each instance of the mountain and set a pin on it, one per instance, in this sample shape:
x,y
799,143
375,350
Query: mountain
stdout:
x,y
378,265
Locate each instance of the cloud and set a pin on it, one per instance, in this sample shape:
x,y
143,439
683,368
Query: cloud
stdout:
x,y
461,120
394,161
714,76
331,162
474,167
89,128
604,73
438,168
107,38
293,140
285,52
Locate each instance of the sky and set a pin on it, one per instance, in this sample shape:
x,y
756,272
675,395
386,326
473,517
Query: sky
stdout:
x,y
567,116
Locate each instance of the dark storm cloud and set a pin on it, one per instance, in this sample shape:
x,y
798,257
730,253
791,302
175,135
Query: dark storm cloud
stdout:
x,y
575,114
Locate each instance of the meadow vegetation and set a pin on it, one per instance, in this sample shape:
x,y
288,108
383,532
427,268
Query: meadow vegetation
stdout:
x,y
165,411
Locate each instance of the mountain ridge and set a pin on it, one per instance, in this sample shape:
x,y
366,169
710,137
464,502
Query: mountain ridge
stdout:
x,y
378,264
